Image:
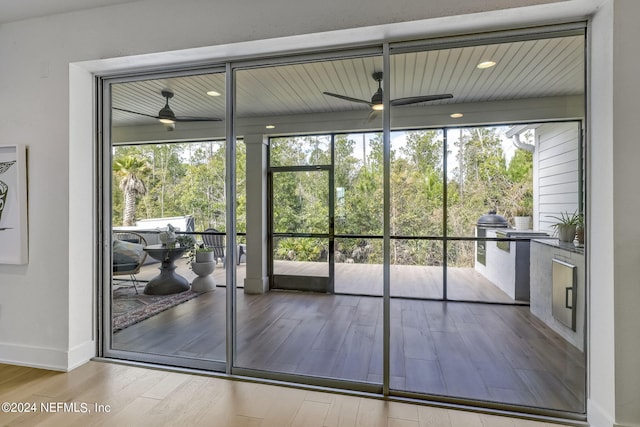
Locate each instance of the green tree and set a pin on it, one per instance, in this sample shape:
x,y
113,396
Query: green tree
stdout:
x,y
416,198
168,169
521,166
131,169
201,192
358,197
480,180
520,192
359,207
189,179
186,179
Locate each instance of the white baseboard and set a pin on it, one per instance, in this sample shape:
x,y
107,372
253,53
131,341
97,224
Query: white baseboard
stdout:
x,y
597,416
47,358
81,354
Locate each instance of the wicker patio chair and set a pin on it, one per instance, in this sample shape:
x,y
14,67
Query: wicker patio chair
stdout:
x,y
128,255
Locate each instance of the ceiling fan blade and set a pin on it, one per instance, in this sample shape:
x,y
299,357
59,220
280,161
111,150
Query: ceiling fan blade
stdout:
x,y
136,112
418,99
196,119
177,119
348,98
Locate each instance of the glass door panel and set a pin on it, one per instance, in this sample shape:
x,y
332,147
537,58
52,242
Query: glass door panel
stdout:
x,y
358,266
301,256
159,182
300,202
299,327
509,264
358,208
494,338
417,237
300,243
490,183
417,231
416,268
308,150
479,180
358,185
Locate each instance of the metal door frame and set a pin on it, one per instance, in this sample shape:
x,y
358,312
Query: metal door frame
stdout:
x,y
311,283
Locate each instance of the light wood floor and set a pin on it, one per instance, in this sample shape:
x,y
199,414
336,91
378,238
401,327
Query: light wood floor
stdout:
x,y
146,397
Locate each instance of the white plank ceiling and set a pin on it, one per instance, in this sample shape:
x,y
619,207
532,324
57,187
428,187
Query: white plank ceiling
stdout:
x,y
524,69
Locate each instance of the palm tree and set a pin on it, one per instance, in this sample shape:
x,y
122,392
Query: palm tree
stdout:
x,y
130,169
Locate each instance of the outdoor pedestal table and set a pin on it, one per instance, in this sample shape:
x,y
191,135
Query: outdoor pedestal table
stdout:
x,y
167,282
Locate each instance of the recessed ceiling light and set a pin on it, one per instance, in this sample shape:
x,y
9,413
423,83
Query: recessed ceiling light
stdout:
x,y
486,64
456,115
213,93
270,126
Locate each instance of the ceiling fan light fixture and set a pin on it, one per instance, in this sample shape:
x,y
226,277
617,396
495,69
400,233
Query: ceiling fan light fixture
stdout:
x,y
486,64
376,99
166,115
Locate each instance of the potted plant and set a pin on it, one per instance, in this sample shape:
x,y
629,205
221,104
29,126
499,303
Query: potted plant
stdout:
x,y
566,225
186,241
203,254
522,218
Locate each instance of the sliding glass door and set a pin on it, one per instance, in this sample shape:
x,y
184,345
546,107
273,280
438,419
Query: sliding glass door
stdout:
x,y
166,189
299,326
483,327
381,219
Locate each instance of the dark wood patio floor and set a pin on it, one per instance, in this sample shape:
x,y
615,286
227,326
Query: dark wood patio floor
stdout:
x,y
407,281
489,352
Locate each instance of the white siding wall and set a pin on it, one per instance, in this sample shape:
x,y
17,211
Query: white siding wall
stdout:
x,y
556,159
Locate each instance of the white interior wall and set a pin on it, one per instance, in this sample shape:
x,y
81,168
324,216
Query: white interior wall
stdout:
x,y
612,245
46,306
600,255
626,233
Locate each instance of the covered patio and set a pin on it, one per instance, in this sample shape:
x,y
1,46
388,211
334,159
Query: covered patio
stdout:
x,y
407,281
485,352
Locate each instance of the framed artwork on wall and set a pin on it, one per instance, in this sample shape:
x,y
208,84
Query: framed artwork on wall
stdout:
x,y
13,205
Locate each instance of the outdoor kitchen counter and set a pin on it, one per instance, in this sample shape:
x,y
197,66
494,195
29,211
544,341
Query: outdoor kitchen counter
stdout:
x,y
566,246
543,252
506,262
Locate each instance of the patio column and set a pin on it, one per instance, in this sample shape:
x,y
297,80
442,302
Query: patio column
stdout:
x,y
256,280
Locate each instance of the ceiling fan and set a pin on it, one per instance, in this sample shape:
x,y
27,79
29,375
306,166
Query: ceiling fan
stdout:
x,y
376,99
167,116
